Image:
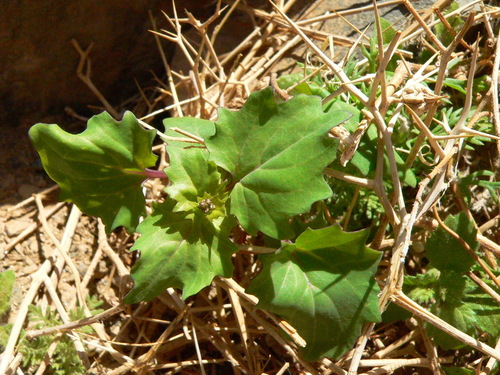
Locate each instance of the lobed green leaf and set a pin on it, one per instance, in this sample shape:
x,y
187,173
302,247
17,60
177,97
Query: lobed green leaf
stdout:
x,y
324,286
195,180
100,169
182,250
196,126
276,154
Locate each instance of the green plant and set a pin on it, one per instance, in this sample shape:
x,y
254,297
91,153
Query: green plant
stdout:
x,y
258,167
448,291
65,359
7,279
263,168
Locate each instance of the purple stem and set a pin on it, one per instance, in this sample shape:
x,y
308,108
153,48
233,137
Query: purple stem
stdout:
x,y
150,173
153,173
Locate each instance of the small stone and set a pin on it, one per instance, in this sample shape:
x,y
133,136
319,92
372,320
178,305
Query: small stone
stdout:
x,y
33,245
15,227
102,269
82,269
27,190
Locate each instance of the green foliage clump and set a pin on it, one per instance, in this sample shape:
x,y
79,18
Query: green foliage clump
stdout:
x,y
65,359
7,279
259,167
446,289
262,169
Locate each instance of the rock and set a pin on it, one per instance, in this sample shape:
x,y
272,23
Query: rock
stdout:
x,y
27,190
16,226
38,64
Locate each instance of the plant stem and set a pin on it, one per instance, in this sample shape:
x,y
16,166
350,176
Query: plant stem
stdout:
x,y
152,173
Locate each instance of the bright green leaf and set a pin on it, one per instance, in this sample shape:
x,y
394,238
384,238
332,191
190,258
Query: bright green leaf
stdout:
x,y
302,88
445,252
7,279
324,286
196,126
314,85
388,32
486,309
101,169
276,153
421,287
457,84
288,80
4,335
480,84
195,181
310,89
461,317
184,243
180,250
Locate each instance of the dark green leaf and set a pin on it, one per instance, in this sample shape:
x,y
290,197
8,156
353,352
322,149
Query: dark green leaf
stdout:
x,y
473,179
461,317
445,252
394,313
422,287
181,250
364,160
456,22
457,371
101,169
324,286
276,153
486,309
